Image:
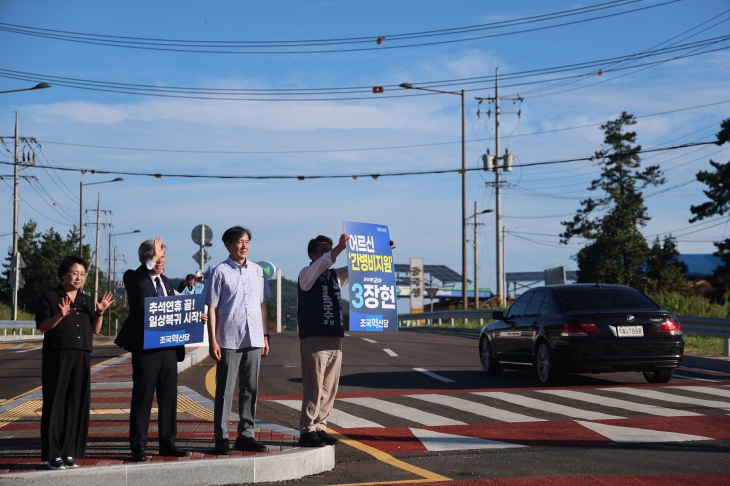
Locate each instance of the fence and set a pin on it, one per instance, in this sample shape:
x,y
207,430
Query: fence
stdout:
x,y
13,325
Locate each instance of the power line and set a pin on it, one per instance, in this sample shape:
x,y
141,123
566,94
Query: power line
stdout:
x,y
359,149
159,175
274,47
336,94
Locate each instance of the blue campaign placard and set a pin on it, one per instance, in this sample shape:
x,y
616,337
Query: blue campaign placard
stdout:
x,y
373,302
173,321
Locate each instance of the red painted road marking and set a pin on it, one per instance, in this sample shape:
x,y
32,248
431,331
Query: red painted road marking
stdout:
x,y
617,480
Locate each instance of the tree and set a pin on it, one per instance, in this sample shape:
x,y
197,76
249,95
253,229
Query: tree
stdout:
x,y
718,193
616,252
42,253
664,271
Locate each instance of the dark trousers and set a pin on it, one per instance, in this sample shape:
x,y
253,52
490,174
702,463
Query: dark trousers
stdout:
x,y
153,371
66,380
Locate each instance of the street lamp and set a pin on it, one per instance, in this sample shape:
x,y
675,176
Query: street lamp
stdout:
x,y
109,277
37,86
476,253
81,211
16,205
463,180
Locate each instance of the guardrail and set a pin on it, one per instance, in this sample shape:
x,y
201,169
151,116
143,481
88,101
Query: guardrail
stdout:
x,y
5,325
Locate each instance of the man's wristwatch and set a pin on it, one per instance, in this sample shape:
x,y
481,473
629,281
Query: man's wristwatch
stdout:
x,y
267,336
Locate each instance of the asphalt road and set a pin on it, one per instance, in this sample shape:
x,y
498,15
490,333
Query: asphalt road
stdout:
x,y
20,362
383,368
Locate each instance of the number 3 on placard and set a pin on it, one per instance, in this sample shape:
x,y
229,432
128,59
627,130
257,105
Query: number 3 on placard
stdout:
x,y
358,301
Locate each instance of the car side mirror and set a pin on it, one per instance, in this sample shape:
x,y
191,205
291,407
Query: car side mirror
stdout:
x,y
498,315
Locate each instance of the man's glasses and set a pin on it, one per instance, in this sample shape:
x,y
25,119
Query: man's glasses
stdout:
x,y
77,274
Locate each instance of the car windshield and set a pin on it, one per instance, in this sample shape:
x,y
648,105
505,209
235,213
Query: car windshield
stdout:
x,y
604,299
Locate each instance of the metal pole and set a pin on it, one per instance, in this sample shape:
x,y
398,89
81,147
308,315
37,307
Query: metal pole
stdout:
x,y
81,220
504,265
202,246
463,204
16,199
498,192
96,264
278,299
109,288
476,257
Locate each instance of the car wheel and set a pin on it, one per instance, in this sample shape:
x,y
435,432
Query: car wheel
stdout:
x,y
544,365
659,376
485,354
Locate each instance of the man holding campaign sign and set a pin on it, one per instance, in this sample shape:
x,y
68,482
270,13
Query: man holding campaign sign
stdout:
x,y
158,326
321,324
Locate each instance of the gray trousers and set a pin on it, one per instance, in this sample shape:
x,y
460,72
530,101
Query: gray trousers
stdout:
x,y
245,363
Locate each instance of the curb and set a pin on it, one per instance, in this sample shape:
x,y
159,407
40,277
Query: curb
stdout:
x,y
706,363
192,358
282,466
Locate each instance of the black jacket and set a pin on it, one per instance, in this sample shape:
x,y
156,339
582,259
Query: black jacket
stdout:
x,y
76,330
139,286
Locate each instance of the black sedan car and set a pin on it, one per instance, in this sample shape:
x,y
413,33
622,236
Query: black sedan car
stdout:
x,y
583,328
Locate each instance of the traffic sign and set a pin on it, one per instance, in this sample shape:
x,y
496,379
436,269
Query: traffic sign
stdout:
x,y
431,292
202,234
206,257
268,268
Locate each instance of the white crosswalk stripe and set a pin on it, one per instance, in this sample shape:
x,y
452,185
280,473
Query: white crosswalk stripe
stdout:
x,y
337,417
475,408
668,397
623,404
547,406
704,389
402,411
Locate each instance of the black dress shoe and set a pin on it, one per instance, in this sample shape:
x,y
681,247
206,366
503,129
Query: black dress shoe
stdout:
x,y
249,444
311,439
173,452
138,455
328,439
223,447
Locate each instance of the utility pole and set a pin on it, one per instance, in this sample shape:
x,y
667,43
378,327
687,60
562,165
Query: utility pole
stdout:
x,y
16,199
497,163
17,262
476,257
96,264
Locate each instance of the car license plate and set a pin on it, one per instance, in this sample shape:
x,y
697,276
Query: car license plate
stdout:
x,y
630,331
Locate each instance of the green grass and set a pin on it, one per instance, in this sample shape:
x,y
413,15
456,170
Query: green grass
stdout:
x,y
703,346
692,305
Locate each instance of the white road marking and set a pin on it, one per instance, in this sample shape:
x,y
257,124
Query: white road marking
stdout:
x,y
616,403
434,375
26,350
547,406
347,335
475,408
438,442
668,397
398,410
390,352
344,420
704,389
369,340
693,378
629,435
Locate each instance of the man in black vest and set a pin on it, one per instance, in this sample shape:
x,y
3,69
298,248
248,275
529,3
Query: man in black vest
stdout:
x,y
321,329
152,369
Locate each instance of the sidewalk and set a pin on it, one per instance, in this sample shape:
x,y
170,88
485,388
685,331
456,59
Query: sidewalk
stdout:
x,y
107,454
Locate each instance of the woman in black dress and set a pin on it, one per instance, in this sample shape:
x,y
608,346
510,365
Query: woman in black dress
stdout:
x,y
68,319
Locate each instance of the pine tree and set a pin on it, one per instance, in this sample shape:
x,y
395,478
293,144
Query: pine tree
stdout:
x,y
616,251
718,193
664,271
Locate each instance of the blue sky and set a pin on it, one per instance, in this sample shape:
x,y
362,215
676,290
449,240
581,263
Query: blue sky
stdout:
x,y
679,101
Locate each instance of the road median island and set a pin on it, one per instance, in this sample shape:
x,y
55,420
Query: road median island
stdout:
x,y
108,459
